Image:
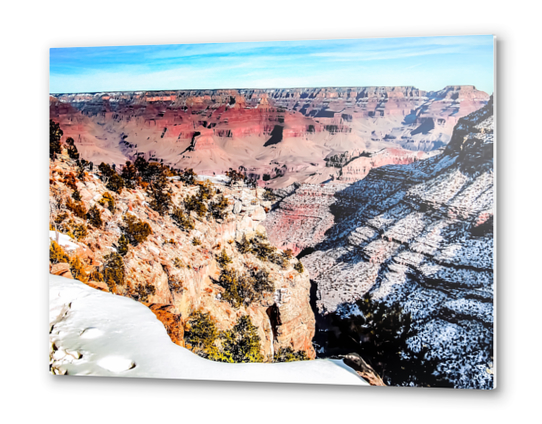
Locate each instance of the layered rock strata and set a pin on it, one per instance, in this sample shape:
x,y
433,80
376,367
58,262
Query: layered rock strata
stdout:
x,y
280,136
418,238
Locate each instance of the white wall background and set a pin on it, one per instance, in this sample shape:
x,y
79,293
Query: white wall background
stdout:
x,y
29,29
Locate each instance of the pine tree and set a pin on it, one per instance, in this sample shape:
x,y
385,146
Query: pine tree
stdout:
x,y
201,335
241,343
55,134
129,175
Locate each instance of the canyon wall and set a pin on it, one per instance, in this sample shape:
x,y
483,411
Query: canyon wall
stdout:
x,y
280,136
414,246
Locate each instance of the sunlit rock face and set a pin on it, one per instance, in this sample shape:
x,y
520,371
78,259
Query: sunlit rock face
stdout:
x,y
281,136
419,238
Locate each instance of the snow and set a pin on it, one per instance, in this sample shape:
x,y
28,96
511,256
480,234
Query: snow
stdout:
x,y
101,334
65,241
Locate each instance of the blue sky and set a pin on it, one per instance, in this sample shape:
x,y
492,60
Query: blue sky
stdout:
x,y
428,63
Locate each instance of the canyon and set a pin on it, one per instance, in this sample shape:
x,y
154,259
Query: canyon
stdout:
x,y
404,275
278,136
384,194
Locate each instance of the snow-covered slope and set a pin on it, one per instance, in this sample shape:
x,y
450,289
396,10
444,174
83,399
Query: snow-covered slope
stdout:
x,y
101,334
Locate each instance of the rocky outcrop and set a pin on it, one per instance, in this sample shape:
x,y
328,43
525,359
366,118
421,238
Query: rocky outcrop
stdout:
x,y
280,136
413,254
178,269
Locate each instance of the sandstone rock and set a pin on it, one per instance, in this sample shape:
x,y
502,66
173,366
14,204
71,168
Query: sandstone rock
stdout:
x,y
62,269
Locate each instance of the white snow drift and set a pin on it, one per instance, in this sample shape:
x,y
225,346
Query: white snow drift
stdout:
x,y
97,333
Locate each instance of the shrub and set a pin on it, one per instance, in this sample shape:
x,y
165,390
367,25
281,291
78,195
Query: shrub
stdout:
x,y
115,183
194,203
299,267
70,181
135,230
94,216
244,289
241,343
114,273
288,254
217,208
178,263
196,241
160,194
76,195
122,245
57,254
201,335
206,190
55,134
96,275
269,195
244,245
175,285
129,175
143,292
77,268
289,355
223,259
73,229
188,176
108,202
78,208
72,150
235,176
261,248
182,219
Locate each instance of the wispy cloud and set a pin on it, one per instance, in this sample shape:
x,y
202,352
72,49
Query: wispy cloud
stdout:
x,y
389,61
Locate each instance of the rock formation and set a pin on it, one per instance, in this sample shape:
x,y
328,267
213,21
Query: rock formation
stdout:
x,y
280,136
406,272
175,271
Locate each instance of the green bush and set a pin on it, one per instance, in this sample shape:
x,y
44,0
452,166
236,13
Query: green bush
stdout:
x,y
76,195
135,230
289,355
73,229
182,219
196,241
77,269
235,176
299,267
72,150
201,335
244,289
241,344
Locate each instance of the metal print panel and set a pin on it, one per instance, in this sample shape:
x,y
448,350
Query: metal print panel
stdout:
x,y
299,211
